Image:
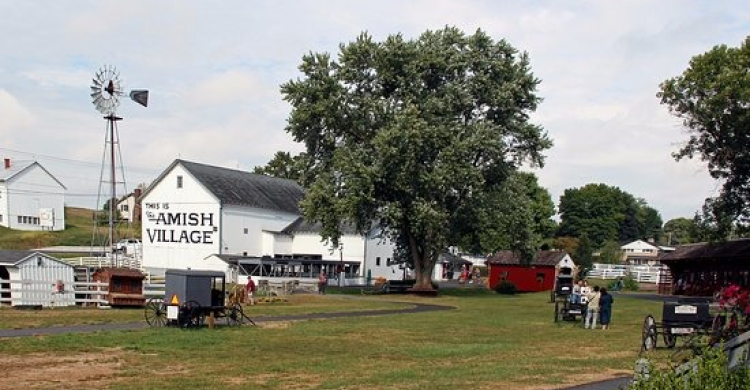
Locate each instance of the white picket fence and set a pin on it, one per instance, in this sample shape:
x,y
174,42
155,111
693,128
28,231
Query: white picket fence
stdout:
x,y
42,292
640,273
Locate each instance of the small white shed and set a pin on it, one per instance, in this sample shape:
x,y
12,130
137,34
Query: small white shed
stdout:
x,y
34,278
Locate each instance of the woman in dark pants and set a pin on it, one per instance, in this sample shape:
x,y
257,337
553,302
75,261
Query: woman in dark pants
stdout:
x,y
605,307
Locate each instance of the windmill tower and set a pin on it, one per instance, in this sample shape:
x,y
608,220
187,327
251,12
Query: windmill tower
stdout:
x,y
106,92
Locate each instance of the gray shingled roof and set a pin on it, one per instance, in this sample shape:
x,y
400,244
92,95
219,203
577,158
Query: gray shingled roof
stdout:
x,y
303,226
737,250
13,256
549,258
234,187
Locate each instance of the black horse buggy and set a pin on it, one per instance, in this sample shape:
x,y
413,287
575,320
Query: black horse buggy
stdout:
x,y
191,296
567,308
686,319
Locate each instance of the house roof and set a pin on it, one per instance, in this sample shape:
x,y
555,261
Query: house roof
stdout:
x,y
19,167
549,258
730,250
240,188
639,244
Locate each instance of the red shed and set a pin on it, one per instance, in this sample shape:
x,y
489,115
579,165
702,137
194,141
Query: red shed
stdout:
x,y
125,285
538,276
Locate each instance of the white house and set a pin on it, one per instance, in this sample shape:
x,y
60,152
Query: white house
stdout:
x,y
129,206
30,197
210,218
34,278
639,252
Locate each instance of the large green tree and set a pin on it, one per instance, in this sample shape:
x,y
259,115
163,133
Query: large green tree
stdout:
x,y
605,213
517,215
405,133
712,97
679,231
285,166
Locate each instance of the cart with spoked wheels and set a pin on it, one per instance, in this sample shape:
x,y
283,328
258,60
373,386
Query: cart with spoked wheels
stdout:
x,y
566,309
191,297
685,327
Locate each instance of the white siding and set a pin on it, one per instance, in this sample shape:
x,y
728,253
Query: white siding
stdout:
x,y
235,220
27,192
381,249
352,247
46,272
181,226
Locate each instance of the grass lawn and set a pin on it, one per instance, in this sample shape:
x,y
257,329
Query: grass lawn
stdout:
x,y
489,342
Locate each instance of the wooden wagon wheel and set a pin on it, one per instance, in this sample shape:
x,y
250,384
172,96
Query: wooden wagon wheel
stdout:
x,y
236,316
191,315
558,315
648,333
155,312
670,340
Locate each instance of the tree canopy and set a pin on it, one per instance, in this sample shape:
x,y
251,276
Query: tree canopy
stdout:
x,y
516,215
604,213
285,166
405,134
712,97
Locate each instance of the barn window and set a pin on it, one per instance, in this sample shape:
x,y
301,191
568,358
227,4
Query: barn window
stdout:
x,y
540,277
179,181
377,261
1,218
504,275
244,230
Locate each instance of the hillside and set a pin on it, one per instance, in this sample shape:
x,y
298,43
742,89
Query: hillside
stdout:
x,y
79,231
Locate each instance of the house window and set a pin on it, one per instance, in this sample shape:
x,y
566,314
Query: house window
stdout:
x,y
179,181
377,261
388,262
1,218
20,219
125,208
244,230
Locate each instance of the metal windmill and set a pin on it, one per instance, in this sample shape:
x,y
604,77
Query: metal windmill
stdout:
x,y
106,91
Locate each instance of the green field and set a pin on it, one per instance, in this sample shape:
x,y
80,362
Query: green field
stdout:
x,y
79,230
489,342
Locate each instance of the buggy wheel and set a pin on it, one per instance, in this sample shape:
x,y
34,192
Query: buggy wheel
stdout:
x,y
155,312
235,315
552,297
670,340
557,312
648,334
190,315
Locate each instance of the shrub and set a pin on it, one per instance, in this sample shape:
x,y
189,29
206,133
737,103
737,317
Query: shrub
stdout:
x,y
709,372
507,288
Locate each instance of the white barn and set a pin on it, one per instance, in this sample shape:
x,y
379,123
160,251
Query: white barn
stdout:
x,y
30,197
205,217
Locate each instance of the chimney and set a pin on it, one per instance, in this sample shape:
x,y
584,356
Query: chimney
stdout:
x,y
7,163
137,192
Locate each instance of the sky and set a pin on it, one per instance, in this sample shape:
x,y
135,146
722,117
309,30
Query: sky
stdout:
x,y
213,69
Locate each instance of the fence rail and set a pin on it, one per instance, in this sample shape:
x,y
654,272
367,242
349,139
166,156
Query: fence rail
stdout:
x,y
640,273
42,292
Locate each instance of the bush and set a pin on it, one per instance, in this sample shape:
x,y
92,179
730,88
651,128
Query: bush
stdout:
x,y
628,283
710,372
506,288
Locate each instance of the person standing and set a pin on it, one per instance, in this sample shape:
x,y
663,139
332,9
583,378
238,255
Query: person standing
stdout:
x,y
322,282
605,306
250,290
592,310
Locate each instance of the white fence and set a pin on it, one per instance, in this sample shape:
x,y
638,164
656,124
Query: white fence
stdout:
x,y
640,273
105,261
43,293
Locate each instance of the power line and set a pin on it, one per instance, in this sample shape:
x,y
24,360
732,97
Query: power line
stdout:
x,y
78,162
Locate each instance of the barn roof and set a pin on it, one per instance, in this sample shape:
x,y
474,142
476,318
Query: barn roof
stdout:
x,y
729,250
453,259
241,188
19,167
548,258
15,257
301,225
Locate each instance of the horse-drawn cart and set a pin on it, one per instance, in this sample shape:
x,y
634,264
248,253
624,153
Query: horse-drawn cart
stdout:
x,y
567,308
192,296
688,320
